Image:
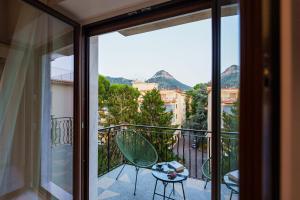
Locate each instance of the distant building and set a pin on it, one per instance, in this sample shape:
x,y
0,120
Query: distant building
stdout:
x,y
144,87
174,100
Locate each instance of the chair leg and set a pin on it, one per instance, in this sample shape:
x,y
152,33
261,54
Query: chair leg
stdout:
x,y
230,195
137,171
120,171
206,181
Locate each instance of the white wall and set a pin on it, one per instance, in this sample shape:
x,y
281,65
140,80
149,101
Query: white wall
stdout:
x,y
93,119
62,99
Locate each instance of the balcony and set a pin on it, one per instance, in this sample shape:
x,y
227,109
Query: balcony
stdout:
x,y
188,146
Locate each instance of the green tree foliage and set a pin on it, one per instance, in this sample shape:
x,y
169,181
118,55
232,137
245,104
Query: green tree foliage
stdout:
x,y
197,100
230,119
122,104
229,141
103,88
153,111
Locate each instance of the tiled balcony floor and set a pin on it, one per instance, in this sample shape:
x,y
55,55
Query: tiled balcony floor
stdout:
x,y
122,189
62,170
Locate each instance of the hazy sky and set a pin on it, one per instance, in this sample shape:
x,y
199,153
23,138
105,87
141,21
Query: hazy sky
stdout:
x,y
184,51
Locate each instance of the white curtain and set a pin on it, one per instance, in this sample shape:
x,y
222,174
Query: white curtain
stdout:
x,y
30,33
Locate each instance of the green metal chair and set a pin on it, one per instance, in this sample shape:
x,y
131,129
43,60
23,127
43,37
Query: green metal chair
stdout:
x,y
137,150
206,171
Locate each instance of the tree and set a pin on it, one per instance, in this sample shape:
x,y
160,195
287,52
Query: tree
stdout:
x,y
103,88
153,111
229,141
197,107
122,104
230,119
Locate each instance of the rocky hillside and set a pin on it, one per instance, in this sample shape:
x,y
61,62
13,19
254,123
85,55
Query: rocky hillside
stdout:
x,y
163,78
119,80
230,78
167,81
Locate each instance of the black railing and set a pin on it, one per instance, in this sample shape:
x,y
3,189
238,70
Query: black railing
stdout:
x,y
61,131
189,146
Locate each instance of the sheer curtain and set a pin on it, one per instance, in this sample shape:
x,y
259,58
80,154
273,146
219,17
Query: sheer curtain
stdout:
x,y
25,100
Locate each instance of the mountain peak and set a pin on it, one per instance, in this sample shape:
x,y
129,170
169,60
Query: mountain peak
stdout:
x,y
230,77
166,81
162,74
231,70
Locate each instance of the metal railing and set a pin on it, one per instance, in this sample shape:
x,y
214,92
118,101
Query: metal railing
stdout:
x,y
64,77
188,146
61,131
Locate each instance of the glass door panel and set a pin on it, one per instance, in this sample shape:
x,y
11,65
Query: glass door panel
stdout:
x,y
230,84
156,78
36,104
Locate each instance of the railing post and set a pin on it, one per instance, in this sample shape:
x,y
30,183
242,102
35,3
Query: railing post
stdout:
x,y
72,130
108,150
196,156
189,148
52,131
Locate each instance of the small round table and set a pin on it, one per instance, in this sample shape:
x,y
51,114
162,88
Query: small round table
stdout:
x,y
232,185
162,175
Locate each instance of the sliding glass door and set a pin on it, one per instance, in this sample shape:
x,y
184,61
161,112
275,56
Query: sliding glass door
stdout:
x,y
229,101
209,149
225,99
36,104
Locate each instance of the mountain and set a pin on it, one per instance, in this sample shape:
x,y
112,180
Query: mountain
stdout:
x,y
230,78
167,81
119,80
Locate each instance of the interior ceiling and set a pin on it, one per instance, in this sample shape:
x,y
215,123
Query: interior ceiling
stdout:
x,y
88,11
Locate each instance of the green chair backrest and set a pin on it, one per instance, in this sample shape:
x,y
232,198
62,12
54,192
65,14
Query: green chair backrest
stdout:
x,y
206,168
136,148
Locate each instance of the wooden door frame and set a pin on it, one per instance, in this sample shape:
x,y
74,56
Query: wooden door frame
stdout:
x,y
259,131
256,140
160,12
259,104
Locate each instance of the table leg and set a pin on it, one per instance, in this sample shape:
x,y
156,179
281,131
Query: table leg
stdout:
x,y
154,189
173,189
172,192
182,190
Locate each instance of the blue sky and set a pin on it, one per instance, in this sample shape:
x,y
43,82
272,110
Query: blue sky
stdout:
x,y
184,51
